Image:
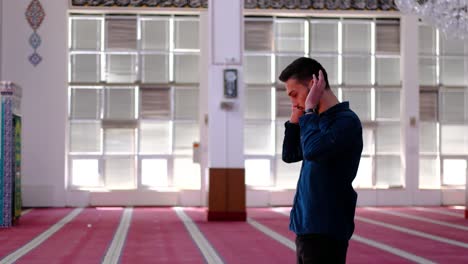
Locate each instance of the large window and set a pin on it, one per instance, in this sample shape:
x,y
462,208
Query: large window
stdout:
x,y
133,101
443,109
362,58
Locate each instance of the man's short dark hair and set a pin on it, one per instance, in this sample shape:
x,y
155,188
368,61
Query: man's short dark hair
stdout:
x,y
302,69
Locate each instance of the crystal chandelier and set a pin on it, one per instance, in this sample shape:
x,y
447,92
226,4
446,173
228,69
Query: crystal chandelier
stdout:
x,y
449,16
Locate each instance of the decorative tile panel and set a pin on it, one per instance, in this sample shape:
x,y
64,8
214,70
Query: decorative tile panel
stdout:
x,y
35,15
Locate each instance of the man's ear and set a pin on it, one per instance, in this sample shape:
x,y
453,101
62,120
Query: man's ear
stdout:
x,y
311,83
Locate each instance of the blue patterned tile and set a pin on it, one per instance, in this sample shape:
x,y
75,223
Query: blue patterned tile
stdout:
x,y
35,59
35,40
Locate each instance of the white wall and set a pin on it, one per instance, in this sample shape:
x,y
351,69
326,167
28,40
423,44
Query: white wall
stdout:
x,y
44,102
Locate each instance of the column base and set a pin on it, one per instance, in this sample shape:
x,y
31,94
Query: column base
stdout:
x,y
227,216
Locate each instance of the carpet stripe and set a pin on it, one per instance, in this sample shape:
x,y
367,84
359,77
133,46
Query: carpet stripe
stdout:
x,y
372,243
115,249
24,212
413,232
425,209
210,254
419,218
281,239
40,239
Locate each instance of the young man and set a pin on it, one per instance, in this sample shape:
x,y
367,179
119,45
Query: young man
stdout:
x,y
327,137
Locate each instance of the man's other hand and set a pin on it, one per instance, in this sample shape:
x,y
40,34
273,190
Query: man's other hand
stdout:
x,y
315,92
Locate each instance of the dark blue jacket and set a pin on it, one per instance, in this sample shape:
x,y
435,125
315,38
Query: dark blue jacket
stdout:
x,y
329,146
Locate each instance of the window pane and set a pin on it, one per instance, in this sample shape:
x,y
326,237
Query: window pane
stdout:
x,y
368,140
186,68
364,174
121,68
454,172
119,140
330,64
154,172
453,105
86,34
185,135
357,70
155,34
186,34
120,173
357,38
155,68
85,68
388,138
257,172
453,71
428,137
155,103
287,174
427,40
121,33
428,106
258,35
258,139
429,176
388,37
155,138
359,101
258,103
85,137
119,103
450,46
324,37
387,104
186,104
85,172
454,139
389,171
257,69
290,36
186,174
85,103
283,104
427,71
282,62
388,71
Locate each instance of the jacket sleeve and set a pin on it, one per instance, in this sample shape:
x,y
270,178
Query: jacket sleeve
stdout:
x,y
292,151
323,142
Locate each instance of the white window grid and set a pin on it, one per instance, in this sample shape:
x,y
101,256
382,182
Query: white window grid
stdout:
x,y
137,156
369,124
437,56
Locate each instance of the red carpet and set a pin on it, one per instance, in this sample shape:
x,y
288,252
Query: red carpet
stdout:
x,y
430,228
157,235
239,242
30,225
434,216
84,240
357,252
423,247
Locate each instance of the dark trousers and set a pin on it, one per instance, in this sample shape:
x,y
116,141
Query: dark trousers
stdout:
x,y
322,249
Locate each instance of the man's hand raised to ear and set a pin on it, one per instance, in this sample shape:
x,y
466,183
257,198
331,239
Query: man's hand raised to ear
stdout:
x,y
315,92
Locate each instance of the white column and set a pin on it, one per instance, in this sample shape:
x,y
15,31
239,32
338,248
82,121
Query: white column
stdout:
x,y
226,41
410,103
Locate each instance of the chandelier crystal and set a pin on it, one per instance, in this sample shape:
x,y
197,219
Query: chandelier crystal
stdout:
x,y
449,16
